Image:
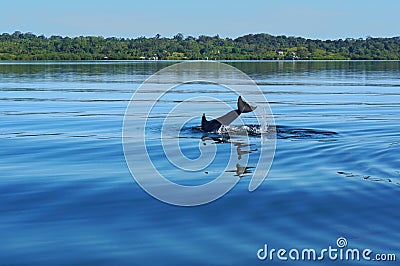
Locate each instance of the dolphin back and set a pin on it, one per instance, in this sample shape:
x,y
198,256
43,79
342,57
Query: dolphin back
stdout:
x,y
209,126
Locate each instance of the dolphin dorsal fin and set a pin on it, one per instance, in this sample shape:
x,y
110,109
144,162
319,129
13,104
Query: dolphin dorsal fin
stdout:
x,y
203,120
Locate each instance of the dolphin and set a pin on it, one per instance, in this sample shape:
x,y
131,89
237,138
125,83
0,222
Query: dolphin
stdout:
x,y
215,124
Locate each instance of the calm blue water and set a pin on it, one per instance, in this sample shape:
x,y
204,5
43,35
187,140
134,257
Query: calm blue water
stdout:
x,y
67,196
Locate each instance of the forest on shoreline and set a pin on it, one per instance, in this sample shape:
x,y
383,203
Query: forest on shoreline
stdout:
x,y
28,46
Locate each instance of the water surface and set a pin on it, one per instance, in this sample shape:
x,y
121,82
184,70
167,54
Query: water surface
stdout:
x,y
67,196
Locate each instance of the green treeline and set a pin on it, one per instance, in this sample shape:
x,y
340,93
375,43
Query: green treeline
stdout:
x,y
28,46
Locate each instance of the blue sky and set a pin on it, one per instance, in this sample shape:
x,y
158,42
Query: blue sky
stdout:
x,y
306,18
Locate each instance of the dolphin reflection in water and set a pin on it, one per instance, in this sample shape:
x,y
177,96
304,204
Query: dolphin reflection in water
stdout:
x,y
240,170
225,120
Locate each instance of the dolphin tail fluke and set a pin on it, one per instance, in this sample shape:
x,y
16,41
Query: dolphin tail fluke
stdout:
x,y
244,107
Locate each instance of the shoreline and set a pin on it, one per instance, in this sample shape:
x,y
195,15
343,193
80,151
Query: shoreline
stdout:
x,y
188,60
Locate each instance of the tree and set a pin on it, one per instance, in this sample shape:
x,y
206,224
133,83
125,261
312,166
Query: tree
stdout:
x,y
27,46
178,37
